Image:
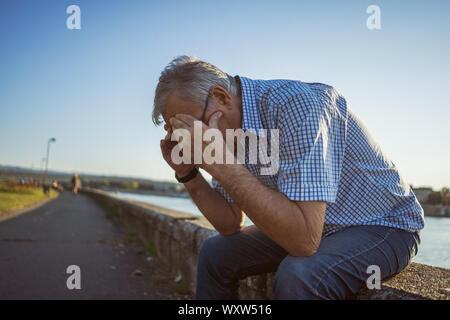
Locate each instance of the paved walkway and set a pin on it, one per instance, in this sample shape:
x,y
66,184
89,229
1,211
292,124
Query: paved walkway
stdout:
x,y
37,247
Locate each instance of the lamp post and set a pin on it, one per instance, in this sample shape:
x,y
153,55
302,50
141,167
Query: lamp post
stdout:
x,y
41,170
46,165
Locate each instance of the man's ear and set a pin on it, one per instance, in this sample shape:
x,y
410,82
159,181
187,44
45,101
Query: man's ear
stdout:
x,y
221,97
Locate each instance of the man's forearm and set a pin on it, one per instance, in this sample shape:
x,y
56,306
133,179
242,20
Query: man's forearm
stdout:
x,y
213,206
271,211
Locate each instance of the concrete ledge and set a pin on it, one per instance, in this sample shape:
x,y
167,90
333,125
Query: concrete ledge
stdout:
x,y
415,282
176,238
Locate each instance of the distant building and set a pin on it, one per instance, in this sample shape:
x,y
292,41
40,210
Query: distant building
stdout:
x,y
422,193
445,196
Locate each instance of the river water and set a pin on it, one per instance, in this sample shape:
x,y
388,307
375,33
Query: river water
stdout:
x,y
434,249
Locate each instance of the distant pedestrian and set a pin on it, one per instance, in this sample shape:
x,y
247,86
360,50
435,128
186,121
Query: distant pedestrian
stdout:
x,y
57,186
76,183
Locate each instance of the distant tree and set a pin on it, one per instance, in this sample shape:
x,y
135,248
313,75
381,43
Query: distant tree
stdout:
x,y
126,185
434,197
130,185
146,186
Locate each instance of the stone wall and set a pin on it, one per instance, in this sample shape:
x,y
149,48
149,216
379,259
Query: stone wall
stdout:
x,y
176,238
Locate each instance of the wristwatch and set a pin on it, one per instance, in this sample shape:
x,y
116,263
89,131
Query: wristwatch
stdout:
x,y
191,175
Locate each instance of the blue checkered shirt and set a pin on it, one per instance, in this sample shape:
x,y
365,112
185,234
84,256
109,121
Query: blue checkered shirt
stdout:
x,y
326,154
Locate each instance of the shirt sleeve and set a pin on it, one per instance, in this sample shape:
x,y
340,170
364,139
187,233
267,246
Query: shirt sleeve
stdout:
x,y
218,187
313,135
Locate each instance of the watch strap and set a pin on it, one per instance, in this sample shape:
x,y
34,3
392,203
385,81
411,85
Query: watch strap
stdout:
x,y
191,175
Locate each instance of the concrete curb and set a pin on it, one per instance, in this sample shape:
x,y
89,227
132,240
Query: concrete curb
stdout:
x,y
176,238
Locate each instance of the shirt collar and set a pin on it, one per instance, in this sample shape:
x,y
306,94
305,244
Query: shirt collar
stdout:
x,y
251,119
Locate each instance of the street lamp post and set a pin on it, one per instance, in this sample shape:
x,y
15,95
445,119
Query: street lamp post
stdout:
x,y
46,189
41,170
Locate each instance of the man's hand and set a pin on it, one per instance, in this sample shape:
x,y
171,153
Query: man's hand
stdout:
x,y
185,121
226,217
166,149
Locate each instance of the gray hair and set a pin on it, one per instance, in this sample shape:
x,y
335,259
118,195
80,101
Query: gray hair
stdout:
x,y
192,79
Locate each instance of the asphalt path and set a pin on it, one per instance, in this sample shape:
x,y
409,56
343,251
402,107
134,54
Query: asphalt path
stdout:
x,y
37,247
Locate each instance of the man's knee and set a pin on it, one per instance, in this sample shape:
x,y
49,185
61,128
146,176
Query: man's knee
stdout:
x,y
296,278
213,251
208,248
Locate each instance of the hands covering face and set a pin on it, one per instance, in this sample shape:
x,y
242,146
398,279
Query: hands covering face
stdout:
x,y
195,130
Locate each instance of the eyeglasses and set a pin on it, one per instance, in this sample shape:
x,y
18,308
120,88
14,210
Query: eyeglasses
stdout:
x,y
205,107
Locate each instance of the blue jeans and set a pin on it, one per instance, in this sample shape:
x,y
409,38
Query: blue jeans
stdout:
x,y
335,271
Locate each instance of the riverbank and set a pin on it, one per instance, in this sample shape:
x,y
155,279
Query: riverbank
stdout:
x,y
184,195
432,251
176,238
429,210
437,210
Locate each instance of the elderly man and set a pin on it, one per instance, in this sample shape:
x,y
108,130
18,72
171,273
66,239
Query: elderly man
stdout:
x,y
335,208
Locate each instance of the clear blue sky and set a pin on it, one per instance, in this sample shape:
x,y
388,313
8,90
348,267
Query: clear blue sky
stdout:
x,y
93,88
